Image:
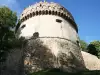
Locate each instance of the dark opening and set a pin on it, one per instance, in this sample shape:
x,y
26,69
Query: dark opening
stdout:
x,y
36,35
40,5
58,20
50,12
77,42
23,26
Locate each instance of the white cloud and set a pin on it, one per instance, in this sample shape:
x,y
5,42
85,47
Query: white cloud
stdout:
x,y
12,4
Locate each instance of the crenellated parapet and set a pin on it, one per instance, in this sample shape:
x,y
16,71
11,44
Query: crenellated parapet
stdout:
x,y
45,8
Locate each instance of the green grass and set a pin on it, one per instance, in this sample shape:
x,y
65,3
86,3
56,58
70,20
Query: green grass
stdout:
x,y
58,72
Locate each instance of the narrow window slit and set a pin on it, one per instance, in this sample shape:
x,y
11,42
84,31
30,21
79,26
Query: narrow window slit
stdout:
x,y
58,20
23,26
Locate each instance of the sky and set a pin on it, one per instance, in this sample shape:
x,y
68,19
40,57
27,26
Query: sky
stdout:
x,y
85,12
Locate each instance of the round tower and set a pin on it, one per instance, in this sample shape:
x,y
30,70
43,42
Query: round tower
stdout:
x,y
49,20
53,38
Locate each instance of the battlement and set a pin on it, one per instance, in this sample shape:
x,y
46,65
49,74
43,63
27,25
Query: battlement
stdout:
x,y
45,8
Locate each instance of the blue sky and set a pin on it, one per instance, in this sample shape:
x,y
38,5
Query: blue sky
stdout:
x,y
85,12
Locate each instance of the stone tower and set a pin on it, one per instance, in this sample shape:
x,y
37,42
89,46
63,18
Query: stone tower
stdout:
x,y
52,38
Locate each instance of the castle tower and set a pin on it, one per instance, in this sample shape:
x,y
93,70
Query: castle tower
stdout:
x,y
53,38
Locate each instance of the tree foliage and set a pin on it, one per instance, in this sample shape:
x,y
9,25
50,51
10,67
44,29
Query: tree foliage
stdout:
x,y
94,48
83,45
8,21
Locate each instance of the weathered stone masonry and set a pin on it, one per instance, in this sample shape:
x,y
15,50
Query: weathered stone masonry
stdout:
x,y
45,53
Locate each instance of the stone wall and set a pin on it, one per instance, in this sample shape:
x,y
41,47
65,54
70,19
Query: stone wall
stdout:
x,y
91,61
43,53
13,64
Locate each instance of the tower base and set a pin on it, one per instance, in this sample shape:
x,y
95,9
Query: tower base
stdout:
x,y
50,52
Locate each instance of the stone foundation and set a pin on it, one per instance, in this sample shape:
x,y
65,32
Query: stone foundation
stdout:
x,y
46,53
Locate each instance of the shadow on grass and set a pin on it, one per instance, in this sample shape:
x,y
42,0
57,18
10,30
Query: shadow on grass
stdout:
x,y
59,72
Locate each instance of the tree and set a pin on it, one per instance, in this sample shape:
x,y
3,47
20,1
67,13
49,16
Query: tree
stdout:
x,y
83,45
8,21
94,48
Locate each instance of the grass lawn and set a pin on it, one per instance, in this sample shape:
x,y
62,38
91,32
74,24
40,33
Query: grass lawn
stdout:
x,y
58,72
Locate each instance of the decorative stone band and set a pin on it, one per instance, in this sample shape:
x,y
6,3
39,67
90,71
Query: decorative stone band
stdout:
x,y
76,43
45,8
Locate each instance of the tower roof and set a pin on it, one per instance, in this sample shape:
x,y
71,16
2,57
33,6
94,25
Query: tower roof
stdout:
x,y
45,8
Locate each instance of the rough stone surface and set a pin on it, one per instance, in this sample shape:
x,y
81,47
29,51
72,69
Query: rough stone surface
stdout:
x,y
13,64
46,53
91,61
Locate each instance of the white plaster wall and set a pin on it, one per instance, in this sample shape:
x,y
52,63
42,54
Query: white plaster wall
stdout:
x,y
46,25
